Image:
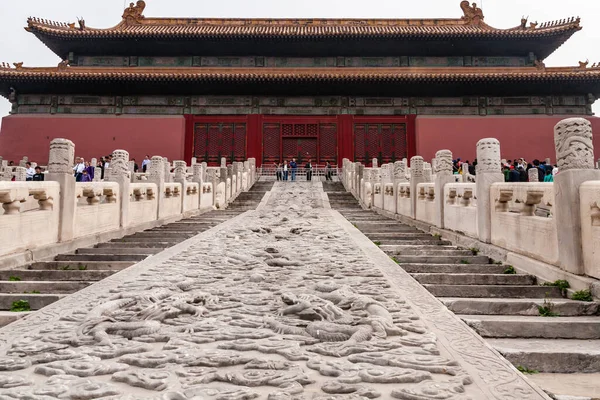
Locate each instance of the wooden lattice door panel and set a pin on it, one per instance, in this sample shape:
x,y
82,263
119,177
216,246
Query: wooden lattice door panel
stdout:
x,y
201,142
214,140
307,150
360,139
290,148
386,142
271,142
328,143
239,143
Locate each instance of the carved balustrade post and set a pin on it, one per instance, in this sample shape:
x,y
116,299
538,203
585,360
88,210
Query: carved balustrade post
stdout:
x,y
120,172
533,175
212,176
20,174
427,172
575,159
443,176
198,177
489,171
167,168
223,177
60,169
156,174
416,177
180,177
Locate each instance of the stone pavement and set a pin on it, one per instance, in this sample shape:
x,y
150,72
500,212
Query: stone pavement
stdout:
x,y
286,302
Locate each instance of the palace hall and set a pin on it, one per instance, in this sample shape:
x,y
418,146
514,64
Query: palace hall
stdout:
x,y
273,89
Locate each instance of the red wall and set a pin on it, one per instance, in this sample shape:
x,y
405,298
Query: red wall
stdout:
x,y
94,136
530,137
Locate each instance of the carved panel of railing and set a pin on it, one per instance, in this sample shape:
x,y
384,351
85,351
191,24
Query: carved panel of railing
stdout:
x,y
36,225
521,219
460,208
589,194
143,204
426,209
529,199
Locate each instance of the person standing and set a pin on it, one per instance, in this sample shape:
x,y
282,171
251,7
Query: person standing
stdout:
x,y
279,171
328,172
85,177
30,172
293,166
308,168
145,163
79,168
549,177
38,176
285,170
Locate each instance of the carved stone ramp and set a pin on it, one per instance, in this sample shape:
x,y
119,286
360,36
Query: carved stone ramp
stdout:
x,y
286,302
39,284
502,307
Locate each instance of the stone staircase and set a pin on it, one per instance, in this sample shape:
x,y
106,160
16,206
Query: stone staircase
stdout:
x,y
502,307
42,283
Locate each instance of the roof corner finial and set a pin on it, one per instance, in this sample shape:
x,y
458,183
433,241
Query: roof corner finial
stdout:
x,y
133,14
524,22
81,23
473,14
583,65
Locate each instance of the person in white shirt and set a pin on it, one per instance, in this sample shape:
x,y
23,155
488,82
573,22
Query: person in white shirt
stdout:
x,y
78,168
285,170
30,172
145,163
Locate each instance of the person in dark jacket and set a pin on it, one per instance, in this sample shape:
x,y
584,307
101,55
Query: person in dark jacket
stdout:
x,y
308,169
523,176
514,175
38,176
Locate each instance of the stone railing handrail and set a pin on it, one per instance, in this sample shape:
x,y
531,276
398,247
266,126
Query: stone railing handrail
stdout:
x,y
555,223
123,200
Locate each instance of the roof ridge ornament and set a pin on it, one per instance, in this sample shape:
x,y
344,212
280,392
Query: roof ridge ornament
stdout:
x,y
133,14
473,14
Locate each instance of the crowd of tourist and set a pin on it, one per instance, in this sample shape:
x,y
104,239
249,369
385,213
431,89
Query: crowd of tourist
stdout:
x,y
516,170
285,170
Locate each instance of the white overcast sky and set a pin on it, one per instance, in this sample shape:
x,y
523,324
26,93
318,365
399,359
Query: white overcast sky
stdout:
x,y
18,45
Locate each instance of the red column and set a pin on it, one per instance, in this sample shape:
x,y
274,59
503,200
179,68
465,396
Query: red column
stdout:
x,y
188,142
411,137
345,138
254,138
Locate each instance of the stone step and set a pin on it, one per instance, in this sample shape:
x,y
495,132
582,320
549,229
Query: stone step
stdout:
x,y
551,355
367,227
74,274
100,257
163,239
36,301
119,251
376,231
479,306
138,245
474,279
576,386
429,241
499,291
76,265
454,268
425,251
468,259
398,238
8,317
509,326
54,287
164,235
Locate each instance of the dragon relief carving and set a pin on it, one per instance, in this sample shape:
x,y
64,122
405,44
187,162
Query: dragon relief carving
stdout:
x,y
133,14
473,14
